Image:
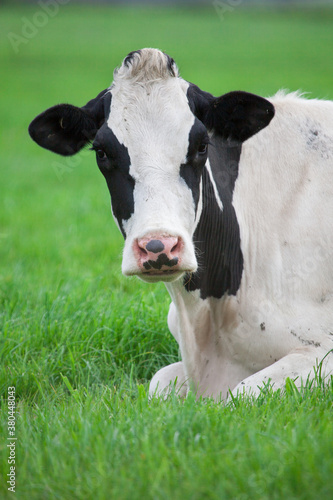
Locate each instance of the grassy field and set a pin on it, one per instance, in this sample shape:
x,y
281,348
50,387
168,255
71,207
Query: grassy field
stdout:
x,y
79,342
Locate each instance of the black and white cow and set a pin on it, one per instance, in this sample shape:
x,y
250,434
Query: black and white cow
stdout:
x,y
227,200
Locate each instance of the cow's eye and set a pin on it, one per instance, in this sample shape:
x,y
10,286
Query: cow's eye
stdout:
x,y
101,155
202,150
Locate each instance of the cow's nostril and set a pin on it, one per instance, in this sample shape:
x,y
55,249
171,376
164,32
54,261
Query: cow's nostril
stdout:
x,y
155,246
175,248
141,249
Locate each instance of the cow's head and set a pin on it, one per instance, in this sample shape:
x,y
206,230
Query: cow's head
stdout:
x,y
150,131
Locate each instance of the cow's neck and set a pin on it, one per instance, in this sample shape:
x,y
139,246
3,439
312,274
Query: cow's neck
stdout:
x,y
217,237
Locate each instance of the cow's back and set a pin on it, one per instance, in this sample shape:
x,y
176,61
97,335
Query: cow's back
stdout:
x,y
284,204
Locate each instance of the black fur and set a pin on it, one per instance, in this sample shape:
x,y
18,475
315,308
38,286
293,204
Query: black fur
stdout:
x,y
237,116
170,62
65,129
199,101
115,168
191,170
217,238
128,59
231,119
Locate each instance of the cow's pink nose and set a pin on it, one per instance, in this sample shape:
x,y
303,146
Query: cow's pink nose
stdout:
x,y
159,253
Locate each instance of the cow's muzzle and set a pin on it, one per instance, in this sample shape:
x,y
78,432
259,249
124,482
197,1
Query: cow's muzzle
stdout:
x,y
158,255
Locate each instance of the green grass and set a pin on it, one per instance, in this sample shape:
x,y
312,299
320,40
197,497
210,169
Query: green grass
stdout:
x,y
111,443
79,341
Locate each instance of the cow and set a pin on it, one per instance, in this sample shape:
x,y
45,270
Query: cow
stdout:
x,y
229,201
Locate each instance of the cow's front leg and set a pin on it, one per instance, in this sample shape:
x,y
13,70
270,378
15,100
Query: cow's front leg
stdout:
x,y
169,378
300,365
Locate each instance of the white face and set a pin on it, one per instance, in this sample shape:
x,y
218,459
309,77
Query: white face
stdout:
x,y
152,149
157,149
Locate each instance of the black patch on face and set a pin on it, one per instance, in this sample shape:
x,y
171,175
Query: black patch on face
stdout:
x,y
231,118
114,162
162,260
217,237
191,171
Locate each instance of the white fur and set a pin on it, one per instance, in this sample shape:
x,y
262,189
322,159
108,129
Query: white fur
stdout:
x,y
280,323
212,180
151,117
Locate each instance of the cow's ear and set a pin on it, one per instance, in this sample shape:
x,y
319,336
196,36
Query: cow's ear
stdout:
x,y
65,129
237,116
